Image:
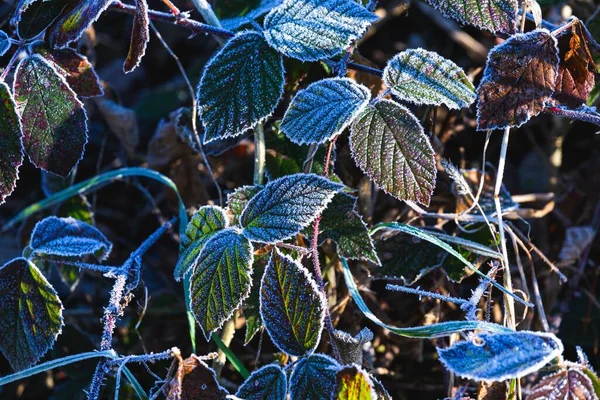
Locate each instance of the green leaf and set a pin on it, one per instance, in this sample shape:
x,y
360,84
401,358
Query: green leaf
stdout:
x,y
292,306
353,383
425,78
496,16
76,68
286,206
54,120
140,35
500,356
11,145
240,87
389,145
323,110
267,383
311,30
342,224
237,200
203,225
37,15
425,332
519,78
31,317
252,303
221,279
313,378
407,258
70,26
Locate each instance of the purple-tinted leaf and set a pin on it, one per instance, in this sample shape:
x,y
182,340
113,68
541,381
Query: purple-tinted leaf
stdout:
x,y
389,145
68,237
76,69
342,224
240,87
54,120
4,43
570,384
313,378
286,206
221,279
71,25
492,15
576,69
31,316
292,306
140,35
354,383
519,78
11,146
500,356
267,383
204,224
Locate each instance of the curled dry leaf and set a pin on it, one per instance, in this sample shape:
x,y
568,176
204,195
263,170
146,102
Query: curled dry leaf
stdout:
x,y
195,380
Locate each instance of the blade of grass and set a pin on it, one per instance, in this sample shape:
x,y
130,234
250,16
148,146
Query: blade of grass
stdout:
x,y
237,364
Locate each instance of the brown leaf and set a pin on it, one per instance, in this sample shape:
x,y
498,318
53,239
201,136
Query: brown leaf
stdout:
x,y
576,77
568,384
140,35
492,391
195,380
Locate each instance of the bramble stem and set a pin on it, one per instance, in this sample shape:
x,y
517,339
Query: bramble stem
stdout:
x,y
259,155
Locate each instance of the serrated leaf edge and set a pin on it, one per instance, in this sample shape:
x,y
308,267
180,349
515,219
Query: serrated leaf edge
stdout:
x,y
22,150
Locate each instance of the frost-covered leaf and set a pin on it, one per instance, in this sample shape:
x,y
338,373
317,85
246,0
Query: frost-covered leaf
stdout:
x,y
286,206
304,384
351,347
501,356
342,224
407,258
291,306
568,384
267,383
54,121
323,110
4,43
497,16
140,35
240,87
252,303
34,16
221,279
182,122
76,69
424,77
261,9
576,78
519,78
311,30
203,225
237,200
31,317
71,25
68,237
11,145
354,383
389,145
195,380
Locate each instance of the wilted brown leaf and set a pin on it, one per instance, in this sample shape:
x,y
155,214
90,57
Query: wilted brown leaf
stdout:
x,y
195,380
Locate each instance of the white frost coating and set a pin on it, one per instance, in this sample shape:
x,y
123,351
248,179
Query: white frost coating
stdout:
x,y
300,289
424,77
304,384
323,110
311,30
266,383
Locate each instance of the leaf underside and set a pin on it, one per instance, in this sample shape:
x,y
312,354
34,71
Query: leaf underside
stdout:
x,y
267,383
240,87
31,316
518,80
11,145
221,279
323,110
311,30
291,306
496,16
425,78
501,356
313,378
140,35
53,119
389,145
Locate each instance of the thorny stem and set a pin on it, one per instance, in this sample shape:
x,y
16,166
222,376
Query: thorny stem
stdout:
x,y
317,264
573,114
